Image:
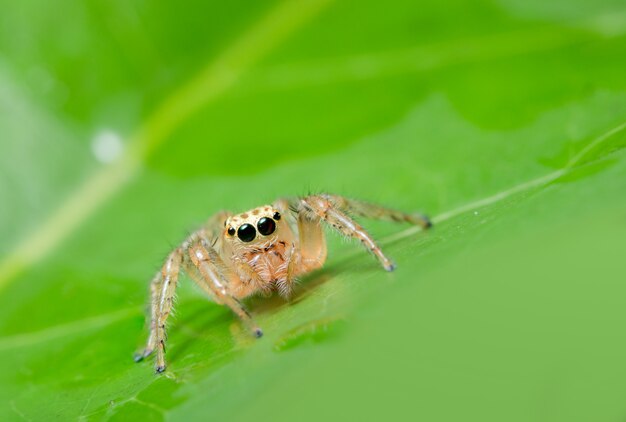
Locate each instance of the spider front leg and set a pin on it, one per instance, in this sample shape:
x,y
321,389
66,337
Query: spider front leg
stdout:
x,y
311,251
377,212
207,263
162,289
325,208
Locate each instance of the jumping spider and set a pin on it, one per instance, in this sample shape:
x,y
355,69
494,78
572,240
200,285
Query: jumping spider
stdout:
x,y
260,251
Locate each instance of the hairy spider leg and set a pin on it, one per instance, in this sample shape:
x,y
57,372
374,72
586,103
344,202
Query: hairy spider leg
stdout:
x,y
162,289
321,207
250,280
376,212
205,258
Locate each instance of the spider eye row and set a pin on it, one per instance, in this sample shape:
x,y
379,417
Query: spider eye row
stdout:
x,y
247,232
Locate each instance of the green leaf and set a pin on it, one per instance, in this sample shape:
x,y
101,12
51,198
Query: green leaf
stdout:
x,y
505,121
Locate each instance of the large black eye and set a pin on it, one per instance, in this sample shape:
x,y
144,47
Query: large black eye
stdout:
x,y
246,233
266,226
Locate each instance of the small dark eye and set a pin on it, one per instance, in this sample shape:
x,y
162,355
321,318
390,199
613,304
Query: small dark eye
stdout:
x,y
276,216
231,231
266,226
246,233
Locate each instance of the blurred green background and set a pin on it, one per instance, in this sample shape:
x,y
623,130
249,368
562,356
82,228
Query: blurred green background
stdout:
x,y
125,124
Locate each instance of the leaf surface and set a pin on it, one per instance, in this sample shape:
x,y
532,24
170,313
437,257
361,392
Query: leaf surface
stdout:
x,y
505,121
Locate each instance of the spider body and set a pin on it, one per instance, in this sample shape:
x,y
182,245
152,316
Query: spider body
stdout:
x,y
260,245
260,251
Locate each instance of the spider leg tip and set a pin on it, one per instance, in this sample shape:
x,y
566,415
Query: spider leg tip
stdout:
x,y
159,369
390,267
258,333
425,222
138,357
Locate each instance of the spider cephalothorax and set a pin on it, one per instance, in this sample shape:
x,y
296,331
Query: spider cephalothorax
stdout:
x,y
260,251
248,225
